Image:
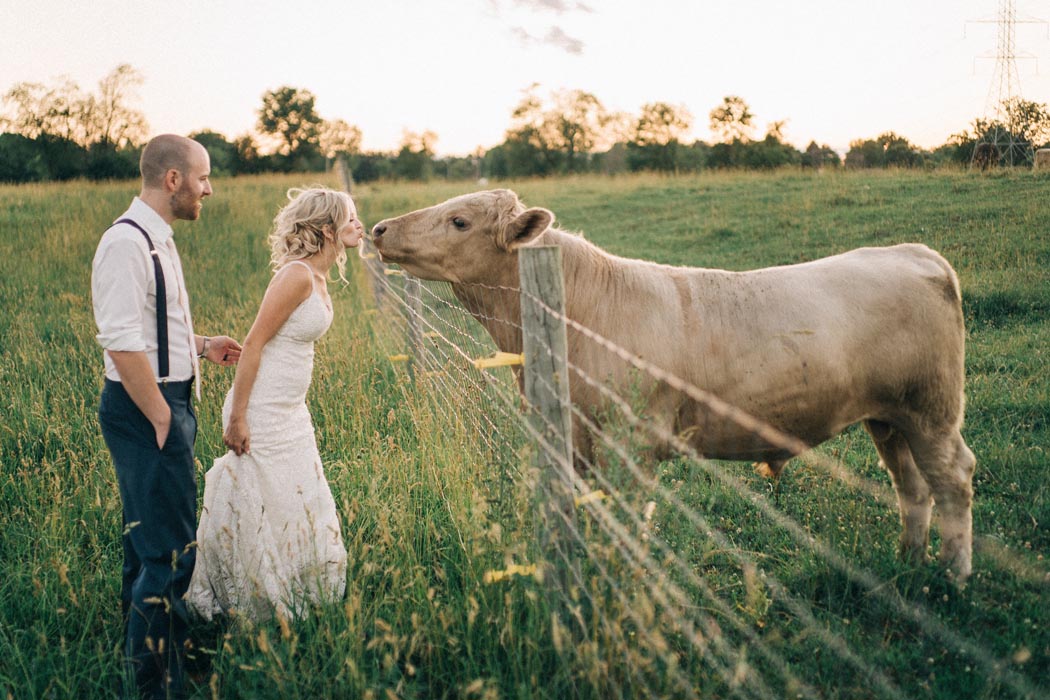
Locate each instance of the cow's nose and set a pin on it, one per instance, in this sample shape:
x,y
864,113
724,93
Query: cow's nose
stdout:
x,y
378,230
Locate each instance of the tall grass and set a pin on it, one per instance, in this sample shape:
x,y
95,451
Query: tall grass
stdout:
x,y
424,510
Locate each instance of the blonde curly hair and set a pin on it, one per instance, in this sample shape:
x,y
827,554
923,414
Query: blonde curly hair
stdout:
x,y
298,228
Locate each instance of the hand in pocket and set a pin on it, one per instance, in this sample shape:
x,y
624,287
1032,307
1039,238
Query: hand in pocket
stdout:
x,y
163,429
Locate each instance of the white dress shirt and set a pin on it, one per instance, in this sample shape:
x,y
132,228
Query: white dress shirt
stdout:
x,y
124,294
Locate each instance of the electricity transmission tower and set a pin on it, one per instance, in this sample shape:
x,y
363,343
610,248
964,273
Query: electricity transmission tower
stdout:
x,y
1002,141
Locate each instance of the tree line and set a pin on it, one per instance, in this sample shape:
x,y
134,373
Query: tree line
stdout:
x,y
60,132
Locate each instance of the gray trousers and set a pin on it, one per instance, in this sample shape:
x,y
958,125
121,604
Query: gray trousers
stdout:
x,y
158,490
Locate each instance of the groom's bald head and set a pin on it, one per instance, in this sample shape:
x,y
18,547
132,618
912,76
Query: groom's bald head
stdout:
x,y
164,153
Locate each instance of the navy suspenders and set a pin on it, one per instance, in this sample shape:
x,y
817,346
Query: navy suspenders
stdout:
x,y
162,303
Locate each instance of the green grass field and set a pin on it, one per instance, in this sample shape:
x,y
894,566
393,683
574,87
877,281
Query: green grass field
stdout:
x,y
426,514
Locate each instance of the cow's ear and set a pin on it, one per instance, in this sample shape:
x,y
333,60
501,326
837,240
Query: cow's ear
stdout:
x,y
525,228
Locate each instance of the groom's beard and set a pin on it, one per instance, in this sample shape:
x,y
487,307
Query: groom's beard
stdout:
x,y
185,204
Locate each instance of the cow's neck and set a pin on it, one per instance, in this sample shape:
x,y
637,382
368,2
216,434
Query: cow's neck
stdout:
x,y
589,272
496,305
594,280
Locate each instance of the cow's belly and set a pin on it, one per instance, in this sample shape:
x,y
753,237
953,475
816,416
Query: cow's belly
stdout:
x,y
765,432
805,396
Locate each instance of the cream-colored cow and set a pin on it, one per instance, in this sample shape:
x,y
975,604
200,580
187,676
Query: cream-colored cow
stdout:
x,y
1042,159
874,335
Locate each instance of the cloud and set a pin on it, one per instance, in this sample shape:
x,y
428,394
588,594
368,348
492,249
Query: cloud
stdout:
x,y
523,37
555,36
558,6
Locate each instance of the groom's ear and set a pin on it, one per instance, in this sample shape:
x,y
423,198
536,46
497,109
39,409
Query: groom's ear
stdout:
x,y
172,179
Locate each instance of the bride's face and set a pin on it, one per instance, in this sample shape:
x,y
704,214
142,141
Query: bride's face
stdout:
x,y
351,232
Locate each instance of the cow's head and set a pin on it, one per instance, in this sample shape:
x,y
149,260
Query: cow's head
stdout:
x,y
472,238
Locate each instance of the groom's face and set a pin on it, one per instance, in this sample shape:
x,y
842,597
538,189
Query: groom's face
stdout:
x,y
194,186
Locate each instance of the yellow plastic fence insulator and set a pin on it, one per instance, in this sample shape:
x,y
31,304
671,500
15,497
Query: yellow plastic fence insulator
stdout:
x,y
393,273
500,359
398,358
586,498
512,570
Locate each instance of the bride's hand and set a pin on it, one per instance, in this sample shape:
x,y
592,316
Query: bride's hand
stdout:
x,y
237,436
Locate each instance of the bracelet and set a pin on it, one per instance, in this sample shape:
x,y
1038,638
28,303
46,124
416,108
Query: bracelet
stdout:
x,y
204,348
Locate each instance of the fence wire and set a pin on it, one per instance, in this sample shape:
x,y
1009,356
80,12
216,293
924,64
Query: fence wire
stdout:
x,y
685,617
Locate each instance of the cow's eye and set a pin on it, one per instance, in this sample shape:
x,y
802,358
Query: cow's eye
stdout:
x,y
459,222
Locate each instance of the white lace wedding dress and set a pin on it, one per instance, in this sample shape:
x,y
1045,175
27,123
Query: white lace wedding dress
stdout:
x,y
269,537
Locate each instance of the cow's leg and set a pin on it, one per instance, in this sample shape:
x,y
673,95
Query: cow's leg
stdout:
x,y
582,446
913,493
947,464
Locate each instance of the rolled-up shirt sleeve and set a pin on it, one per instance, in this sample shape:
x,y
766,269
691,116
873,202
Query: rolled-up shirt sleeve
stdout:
x,y
119,284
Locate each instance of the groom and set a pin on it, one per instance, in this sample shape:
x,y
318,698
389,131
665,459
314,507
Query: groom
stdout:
x,y
151,357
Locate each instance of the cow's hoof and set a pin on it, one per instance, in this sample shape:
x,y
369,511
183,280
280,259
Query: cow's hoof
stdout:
x,y
769,470
914,553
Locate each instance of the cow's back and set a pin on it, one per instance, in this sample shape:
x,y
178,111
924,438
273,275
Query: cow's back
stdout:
x,y
809,348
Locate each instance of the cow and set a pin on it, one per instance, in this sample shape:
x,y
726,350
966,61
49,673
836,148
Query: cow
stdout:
x,y
873,335
1042,159
986,155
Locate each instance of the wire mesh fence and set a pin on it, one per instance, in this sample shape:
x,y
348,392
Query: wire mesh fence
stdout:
x,y
692,574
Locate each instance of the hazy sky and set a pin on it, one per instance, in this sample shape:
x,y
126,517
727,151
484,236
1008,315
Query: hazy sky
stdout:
x,y
835,70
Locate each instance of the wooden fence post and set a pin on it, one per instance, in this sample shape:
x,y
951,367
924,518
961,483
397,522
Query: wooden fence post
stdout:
x,y
343,168
550,414
366,250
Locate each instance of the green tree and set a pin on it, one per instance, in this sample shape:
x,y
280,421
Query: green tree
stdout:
x,y
527,152
661,123
820,156
367,167
108,116
36,109
20,160
72,133
290,115
66,112
771,152
246,155
732,120
580,119
530,146
414,160
65,159
775,130
560,135
337,137
885,150
107,162
1029,121
657,137
1023,124
222,153
25,116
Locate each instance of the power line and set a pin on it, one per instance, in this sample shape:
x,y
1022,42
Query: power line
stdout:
x,y
1001,141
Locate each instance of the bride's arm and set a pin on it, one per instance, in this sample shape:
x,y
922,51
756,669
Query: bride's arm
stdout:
x,y
290,287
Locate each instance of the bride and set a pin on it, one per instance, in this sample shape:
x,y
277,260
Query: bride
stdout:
x,y
269,537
